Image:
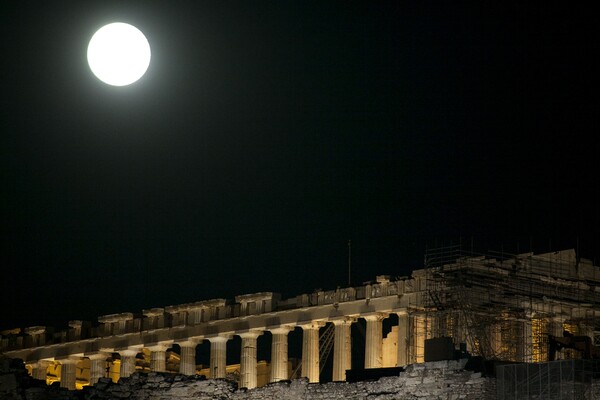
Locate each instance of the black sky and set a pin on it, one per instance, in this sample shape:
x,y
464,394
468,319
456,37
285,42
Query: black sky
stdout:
x,y
265,135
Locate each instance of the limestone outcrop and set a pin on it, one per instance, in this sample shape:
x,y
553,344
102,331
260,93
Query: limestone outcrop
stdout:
x,y
447,380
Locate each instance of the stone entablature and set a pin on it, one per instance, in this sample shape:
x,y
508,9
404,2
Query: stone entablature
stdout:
x,y
156,318
118,324
213,311
550,292
557,268
36,335
257,303
198,312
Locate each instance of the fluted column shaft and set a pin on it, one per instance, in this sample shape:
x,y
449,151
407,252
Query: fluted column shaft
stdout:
x,y
248,371
127,362
279,354
39,370
97,367
310,352
68,370
187,364
403,339
158,358
218,357
373,356
158,361
342,350
97,370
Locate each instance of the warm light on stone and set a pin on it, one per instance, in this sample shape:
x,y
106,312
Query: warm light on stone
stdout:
x,y
426,306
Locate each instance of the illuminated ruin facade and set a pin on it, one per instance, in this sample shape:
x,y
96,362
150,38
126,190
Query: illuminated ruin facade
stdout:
x,y
498,306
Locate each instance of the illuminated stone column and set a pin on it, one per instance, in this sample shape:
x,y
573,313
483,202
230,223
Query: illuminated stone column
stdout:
x,y
158,357
187,364
527,345
39,370
127,361
403,339
373,358
68,368
418,336
310,351
342,349
279,354
556,328
218,356
248,371
97,366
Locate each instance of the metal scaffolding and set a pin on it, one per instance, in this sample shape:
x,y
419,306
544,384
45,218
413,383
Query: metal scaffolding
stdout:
x,y
504,306
556,380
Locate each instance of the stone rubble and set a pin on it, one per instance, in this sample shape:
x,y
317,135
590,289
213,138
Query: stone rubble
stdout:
x,y
442,380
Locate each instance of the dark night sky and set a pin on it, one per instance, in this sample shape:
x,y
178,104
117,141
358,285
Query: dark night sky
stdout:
x,y
265,135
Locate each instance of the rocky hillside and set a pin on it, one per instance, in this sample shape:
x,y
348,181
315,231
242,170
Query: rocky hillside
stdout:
x,y
432,381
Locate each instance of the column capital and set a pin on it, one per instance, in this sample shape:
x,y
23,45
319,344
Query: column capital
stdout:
x,y
281,330
67,360
344,321
39,363
377,316
130,351
252,334
400,311
219,338
191,342
97,355
312,325
159,346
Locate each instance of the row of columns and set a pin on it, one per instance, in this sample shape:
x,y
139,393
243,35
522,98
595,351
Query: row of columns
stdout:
x,y
248,359
407,340
342,356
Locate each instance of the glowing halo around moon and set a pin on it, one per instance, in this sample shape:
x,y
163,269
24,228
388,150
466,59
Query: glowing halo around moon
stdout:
x,y
118,54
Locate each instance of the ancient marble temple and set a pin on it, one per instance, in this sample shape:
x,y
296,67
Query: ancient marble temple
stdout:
x,y
499,307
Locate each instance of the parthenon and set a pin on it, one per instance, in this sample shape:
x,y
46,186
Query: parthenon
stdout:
x,y
497,306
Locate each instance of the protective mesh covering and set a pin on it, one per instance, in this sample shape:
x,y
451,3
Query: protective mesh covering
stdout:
x,y
560,380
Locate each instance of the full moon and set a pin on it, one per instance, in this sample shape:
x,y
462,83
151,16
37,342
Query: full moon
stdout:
x,y
118,54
